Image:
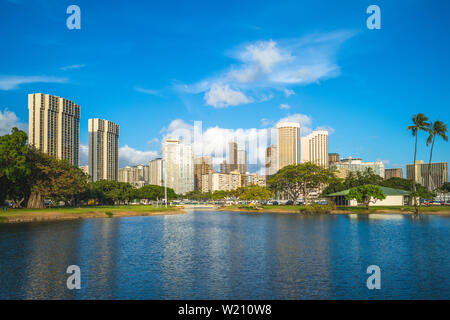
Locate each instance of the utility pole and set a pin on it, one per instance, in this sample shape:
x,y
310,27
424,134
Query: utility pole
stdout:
x,y
165,174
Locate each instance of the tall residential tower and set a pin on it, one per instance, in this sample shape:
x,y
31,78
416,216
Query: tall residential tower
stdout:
x,y
315,148
103,150
178,166
54,126
288,143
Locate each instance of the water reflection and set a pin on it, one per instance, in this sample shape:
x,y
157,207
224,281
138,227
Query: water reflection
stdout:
x,y
228,255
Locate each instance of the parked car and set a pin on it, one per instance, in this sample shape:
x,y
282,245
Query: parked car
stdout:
x,y
289,203
299,202
275,203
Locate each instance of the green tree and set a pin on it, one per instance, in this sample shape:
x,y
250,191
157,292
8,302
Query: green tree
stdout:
x,y
361,178
445,187
197,195
438,128
14,168
255,192
419,124
154,192
110,192
335,185
300,179
54,179
366,194
219,195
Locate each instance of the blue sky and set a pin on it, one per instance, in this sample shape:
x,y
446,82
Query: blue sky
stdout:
x,y
156,67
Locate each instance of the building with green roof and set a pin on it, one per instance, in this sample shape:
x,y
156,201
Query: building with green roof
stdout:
x,y
394,197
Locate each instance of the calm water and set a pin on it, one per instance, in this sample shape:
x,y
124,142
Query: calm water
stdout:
x,y
228,255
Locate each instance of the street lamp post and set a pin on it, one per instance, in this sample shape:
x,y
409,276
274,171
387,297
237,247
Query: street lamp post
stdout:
x,y
165,174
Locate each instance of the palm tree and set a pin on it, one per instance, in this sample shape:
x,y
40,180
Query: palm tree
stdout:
x,y
438,128
419,123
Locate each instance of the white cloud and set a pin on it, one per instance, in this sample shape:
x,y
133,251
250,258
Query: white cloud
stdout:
x,y
285,106
273,64
214,141
13,82
84,154
74,66
9,120
326,128
222,96
129,156
264,54
153,141
147,91
265,122
385,162
288,92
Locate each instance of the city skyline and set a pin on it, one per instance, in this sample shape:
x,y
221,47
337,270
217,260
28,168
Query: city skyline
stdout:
x,y
235,83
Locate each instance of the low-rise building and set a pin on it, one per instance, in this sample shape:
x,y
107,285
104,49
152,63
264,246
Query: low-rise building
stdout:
x,y
136,176
356,164
394,197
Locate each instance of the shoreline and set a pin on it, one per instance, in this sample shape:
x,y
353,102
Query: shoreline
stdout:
x,y
61,216
337,211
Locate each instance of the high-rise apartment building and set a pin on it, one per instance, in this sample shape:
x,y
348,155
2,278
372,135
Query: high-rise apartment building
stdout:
x,y
393,173
232,156
288,143
54,126
215,181
103,150
224,167
136,175
438,170
202,166
178,166
271,160
155,172
333,158
242,161
315,148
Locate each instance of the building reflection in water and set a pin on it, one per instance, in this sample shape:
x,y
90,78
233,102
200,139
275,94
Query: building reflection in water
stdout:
x,y
50,249
228,255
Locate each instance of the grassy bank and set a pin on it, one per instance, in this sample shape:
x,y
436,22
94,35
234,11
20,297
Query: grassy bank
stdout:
x,y
342,210
66,213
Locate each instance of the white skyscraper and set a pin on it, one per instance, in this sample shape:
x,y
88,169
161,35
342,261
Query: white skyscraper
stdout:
x,y
315,148
178,166
288,143
103,150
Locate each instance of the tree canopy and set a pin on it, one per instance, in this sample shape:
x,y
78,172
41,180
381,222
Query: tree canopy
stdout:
x,y
300,179
15,170
366,194
255,192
